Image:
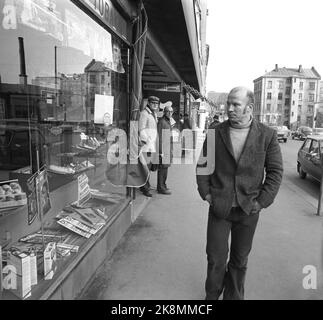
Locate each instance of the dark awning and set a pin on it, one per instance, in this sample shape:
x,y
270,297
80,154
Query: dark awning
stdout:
x,y
168,34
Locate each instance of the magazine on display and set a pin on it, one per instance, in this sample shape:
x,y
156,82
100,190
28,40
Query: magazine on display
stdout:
x,y
38,188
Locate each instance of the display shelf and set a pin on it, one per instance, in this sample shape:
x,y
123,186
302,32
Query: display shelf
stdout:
x,y
5,212
66,265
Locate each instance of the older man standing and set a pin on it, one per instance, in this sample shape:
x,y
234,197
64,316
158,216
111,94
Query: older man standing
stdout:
x,y
148,136
246,178
165,149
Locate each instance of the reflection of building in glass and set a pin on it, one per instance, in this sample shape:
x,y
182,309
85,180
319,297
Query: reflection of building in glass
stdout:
x,y
98,79
49,89
74,96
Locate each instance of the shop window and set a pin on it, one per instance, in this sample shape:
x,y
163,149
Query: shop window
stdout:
x,y
59,103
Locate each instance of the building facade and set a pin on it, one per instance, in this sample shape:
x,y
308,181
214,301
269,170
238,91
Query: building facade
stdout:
x,y
287,96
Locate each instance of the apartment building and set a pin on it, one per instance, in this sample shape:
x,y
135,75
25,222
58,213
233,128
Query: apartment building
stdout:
x,y
287,96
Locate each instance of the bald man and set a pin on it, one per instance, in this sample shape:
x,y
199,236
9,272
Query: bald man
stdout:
x,y
246,176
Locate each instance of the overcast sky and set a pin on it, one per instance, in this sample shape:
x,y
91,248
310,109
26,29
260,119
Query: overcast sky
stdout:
x,y
248,37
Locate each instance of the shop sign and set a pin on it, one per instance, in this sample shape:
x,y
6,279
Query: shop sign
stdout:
x,y
109,15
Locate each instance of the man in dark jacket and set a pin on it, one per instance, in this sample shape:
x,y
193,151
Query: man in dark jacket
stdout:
x,y
214,122
165,149
244,177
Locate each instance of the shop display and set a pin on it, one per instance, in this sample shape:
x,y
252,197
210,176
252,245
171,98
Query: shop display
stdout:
x,y
54,129
11,195
50,257
87,142
85,222
72,168
22,273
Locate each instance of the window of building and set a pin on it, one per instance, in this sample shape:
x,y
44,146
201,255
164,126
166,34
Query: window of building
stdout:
x,y
288,80
286,113
287,102
102,79
294,80
269,85
70,101
309,121
280,96
287,91
312,85
267,118
299,109
279,107
300,96
93,79
72,128
280,84
268,107
310,109
293,103
294,91
268,95
311,97
301,85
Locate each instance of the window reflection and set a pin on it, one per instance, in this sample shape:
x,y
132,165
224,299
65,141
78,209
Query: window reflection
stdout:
x,y
66,76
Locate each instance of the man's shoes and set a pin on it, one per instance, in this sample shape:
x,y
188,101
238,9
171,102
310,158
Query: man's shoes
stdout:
x,y
147,193
164,191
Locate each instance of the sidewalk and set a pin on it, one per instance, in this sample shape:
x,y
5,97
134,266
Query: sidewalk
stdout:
x,y
162,256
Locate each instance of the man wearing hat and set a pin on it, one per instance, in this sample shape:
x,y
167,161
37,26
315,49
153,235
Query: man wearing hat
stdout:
x,y
148,135
165,149
214,122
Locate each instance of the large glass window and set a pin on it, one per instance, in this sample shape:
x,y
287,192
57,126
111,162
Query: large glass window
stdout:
x,y
63,88
63,71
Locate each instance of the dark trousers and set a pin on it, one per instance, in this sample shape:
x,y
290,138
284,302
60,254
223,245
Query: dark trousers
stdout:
x,y
230,276
146,187
162,177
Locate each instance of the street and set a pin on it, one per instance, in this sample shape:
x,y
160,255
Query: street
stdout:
x,y
162,256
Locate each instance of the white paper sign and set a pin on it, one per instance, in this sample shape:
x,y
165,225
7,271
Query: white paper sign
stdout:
x,y
103,109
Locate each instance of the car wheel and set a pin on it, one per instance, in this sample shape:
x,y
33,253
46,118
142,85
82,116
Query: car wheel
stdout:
x,y
302,174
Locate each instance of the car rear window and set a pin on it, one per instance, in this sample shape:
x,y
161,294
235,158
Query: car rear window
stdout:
x,y
306,145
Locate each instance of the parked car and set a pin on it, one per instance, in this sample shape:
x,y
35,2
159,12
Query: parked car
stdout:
x,y
317,131
302,132
282,132
309,157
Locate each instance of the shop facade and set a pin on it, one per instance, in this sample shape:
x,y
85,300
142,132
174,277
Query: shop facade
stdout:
x,y
67,81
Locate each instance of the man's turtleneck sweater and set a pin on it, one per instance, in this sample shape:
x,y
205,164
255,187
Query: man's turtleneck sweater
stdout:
x,y
238,135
